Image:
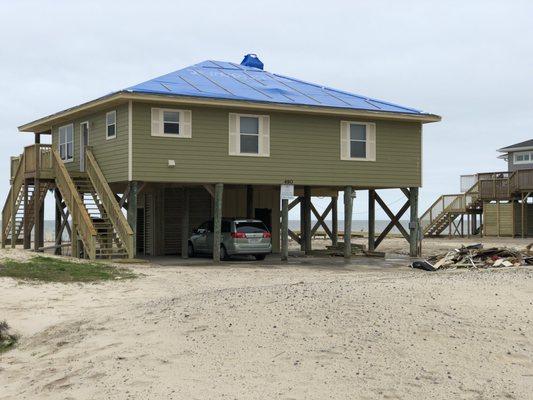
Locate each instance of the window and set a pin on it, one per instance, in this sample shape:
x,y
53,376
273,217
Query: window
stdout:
x,y
249,135
523,157
66,142
171,123
358,141
111,124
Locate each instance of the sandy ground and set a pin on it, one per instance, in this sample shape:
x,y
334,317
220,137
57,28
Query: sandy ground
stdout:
x,y
312,329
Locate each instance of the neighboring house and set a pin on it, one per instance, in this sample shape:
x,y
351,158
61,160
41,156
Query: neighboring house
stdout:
x,y
494,203
519,155
211,140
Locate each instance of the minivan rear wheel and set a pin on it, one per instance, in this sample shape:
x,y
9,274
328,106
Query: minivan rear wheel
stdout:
x,y
190,250
223,253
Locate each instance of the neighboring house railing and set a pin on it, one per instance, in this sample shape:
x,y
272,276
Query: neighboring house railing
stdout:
x,y
109,202
448,204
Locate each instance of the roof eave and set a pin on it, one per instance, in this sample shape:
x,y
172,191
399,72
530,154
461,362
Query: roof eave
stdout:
x,y
46,122
511,149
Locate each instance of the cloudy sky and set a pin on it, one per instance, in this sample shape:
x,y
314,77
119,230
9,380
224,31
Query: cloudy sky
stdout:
x,y
469,61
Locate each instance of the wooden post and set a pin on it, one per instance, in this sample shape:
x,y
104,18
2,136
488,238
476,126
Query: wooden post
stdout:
x,y
26,240
249,201
371,219
185,225
348,205
132,213
334,221
307,219
413,224
13,200
284,229
74,239
302,223
41,222
58,221
522,217
36,214
217,221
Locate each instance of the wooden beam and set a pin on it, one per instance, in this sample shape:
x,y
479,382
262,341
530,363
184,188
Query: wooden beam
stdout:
x,y
371,220
321,220
294,236
394,220
210,189
334,221
132,213
36,215
306,231
294,203
249,201
348,207
414,225
217,221
284,229
26,240
185,224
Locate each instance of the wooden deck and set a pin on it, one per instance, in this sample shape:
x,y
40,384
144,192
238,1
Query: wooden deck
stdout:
x,y
505,185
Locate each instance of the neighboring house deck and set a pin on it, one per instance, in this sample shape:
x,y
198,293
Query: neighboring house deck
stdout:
x,y
493,203
135,171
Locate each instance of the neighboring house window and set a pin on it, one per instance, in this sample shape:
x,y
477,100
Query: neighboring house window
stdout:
x,y
249,135
170,122
111,124
523,157
358,141
66,142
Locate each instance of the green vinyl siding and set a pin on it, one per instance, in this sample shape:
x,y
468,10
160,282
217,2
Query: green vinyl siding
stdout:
x,y
112,154
304,148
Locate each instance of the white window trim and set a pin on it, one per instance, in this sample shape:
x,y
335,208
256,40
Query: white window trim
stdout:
x,y
370,141
521,153
108,125
66,160
264,132
182,123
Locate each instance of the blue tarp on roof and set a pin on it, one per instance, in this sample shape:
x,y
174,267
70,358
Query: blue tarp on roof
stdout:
x,y
226,80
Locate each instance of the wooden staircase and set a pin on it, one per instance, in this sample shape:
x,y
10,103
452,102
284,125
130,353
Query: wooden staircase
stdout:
x,y
108,242
447,208
95,217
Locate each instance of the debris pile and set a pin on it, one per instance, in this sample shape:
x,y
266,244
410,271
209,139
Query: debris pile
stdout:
x,y
475,256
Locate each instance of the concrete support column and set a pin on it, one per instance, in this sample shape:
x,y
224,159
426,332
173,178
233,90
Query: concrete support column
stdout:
x,y
334,221
249,201
217,221
185,225
284,229
413,223
371,219
348,206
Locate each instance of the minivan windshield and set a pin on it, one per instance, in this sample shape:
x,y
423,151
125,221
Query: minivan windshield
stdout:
x,y
250,227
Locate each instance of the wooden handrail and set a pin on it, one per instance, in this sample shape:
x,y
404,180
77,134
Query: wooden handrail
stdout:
x,y
111,206
16,185
80,217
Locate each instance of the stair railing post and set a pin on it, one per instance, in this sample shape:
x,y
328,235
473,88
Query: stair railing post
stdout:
x,y
13,218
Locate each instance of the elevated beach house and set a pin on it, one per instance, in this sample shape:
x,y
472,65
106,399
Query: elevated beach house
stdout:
x,y
134,172
494,203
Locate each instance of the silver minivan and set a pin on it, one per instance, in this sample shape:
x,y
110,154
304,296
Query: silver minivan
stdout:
x,y
239,237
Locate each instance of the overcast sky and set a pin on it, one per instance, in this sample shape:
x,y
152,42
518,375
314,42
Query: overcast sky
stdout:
x,y
469,61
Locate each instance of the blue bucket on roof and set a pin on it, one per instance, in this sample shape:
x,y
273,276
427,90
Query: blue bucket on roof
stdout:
x,y
251,60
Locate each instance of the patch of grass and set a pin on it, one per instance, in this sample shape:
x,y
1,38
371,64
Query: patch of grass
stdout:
x,y
8,340
48,269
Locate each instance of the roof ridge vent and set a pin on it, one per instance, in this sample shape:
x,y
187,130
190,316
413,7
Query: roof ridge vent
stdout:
x,y
251,60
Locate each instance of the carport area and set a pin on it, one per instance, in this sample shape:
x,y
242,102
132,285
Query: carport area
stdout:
x,y
167,214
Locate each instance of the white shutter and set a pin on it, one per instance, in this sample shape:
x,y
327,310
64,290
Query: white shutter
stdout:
x,y
156,122
371,142
264,136
234,142
345,140
185,123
